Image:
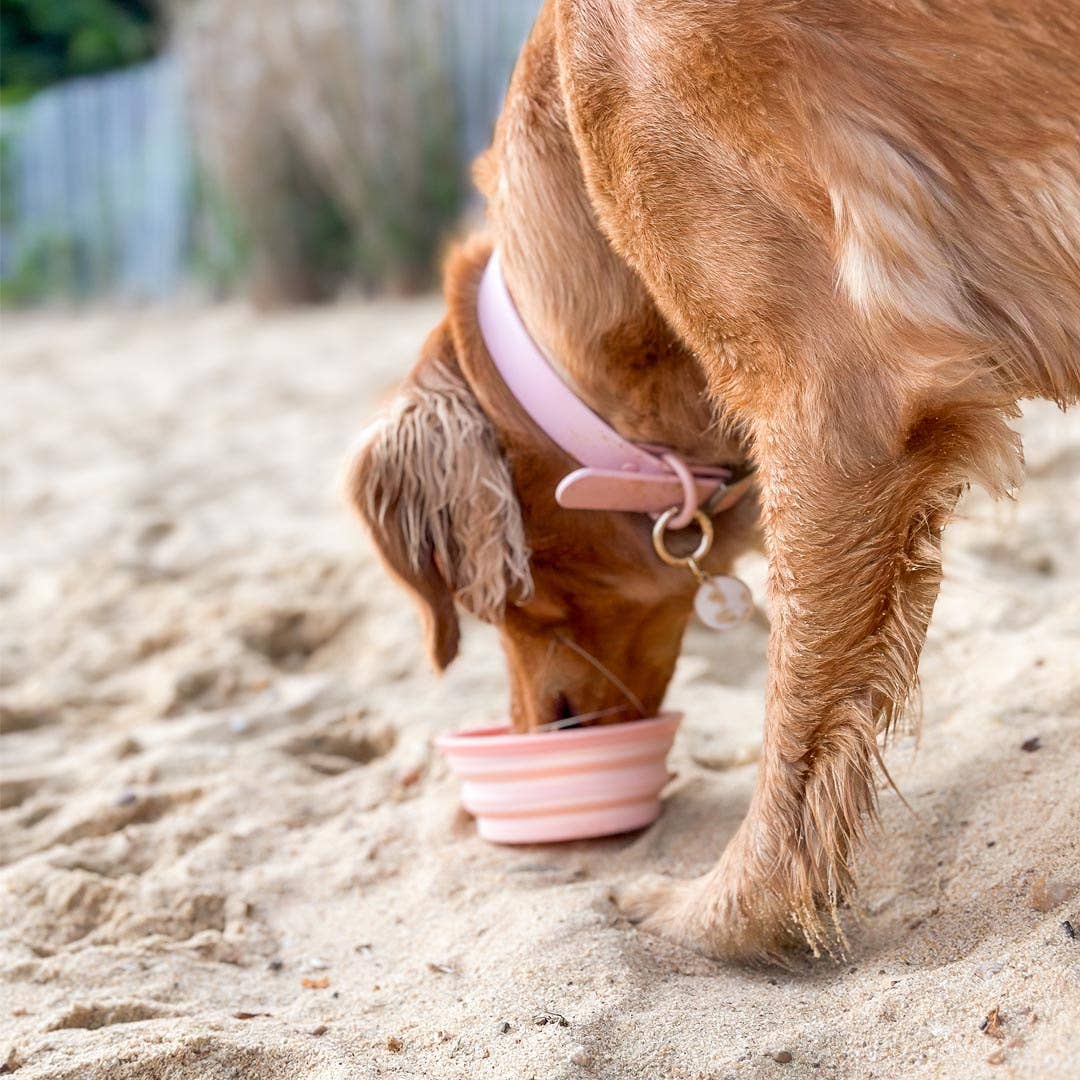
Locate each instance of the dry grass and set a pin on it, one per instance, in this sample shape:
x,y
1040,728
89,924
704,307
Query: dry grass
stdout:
x,y
331,128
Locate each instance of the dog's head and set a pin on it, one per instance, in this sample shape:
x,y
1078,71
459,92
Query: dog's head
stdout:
x,y
457,488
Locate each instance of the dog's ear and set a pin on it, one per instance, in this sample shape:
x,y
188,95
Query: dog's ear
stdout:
x,y
434,489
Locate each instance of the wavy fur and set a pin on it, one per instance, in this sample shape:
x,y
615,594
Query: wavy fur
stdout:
x,y
431,481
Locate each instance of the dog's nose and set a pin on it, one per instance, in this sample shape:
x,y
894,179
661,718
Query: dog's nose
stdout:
x,y
563,709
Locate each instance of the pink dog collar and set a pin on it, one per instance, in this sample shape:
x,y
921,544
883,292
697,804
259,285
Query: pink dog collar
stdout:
x,y
617,474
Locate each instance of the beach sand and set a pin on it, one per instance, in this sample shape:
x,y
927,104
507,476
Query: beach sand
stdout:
x,y
229,850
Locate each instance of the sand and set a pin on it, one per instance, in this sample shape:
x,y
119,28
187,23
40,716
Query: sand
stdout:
x,y
229,850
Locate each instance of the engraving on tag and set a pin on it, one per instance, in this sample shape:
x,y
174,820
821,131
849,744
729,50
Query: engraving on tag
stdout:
x,y
722,603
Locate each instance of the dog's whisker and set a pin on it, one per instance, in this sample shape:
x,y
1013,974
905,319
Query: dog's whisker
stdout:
x,y
570,721
606,672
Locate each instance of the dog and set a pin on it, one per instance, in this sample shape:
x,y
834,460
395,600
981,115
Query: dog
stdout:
x,y
826,245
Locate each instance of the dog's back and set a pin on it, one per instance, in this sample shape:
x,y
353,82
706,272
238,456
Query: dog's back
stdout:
x,y
926,155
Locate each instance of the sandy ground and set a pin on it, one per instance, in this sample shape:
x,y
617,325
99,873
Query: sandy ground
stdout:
x,y
229,851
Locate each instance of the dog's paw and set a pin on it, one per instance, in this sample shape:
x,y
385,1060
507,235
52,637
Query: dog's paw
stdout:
x,y
663,906
701,915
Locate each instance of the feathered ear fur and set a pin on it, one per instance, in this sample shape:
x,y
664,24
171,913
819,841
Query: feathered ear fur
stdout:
x,y
435,491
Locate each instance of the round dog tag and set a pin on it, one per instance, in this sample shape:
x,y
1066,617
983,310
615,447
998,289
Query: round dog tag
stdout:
x,y
723,602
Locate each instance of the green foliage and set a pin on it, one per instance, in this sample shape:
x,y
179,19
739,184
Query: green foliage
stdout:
x,y
412,206
397,243
55,263
7,210
44,41
220,249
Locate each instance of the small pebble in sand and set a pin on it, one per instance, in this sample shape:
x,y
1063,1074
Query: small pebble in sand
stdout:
x,y
579,1056
1045,895
410,776
1032,744
315,984
1070,930
276,965
125,798
782,1057
394,1045
504,1027
320,1029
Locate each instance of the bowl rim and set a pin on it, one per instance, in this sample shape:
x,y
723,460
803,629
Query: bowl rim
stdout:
x,y
497,738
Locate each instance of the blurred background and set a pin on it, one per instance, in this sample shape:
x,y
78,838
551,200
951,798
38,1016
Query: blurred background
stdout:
x,y
284,150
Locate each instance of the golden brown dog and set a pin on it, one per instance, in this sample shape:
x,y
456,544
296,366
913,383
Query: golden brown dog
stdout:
x,y
839,239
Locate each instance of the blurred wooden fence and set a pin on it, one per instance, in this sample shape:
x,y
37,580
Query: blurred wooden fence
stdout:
x,y
484,40
97,186
99,193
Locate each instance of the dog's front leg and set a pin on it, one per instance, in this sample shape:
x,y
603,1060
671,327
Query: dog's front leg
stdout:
x,y
854,544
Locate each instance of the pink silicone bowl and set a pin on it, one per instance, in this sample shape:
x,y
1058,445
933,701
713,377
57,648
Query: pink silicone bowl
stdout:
x,y
562,785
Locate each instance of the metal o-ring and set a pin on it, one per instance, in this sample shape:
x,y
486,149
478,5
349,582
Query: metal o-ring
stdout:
x,y
704,523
